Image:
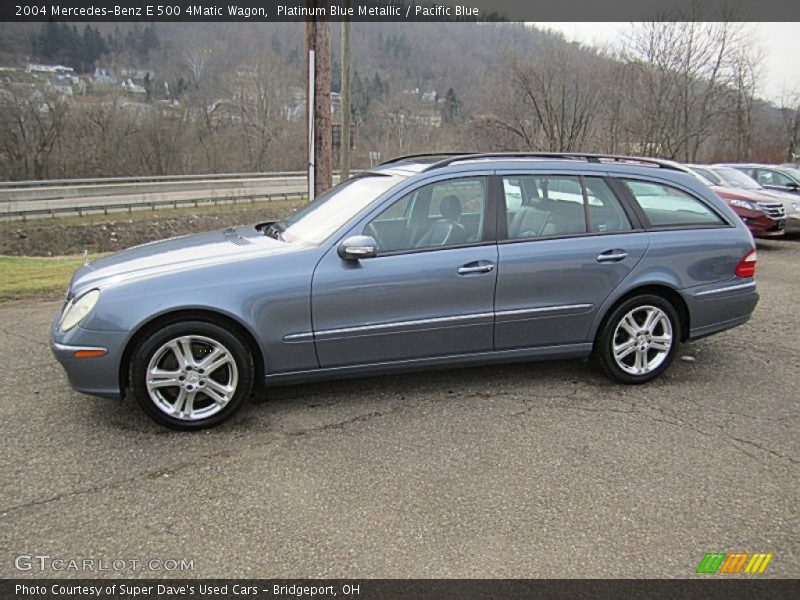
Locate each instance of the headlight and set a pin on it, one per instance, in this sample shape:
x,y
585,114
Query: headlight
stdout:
x,y
796,207
76,310
743,204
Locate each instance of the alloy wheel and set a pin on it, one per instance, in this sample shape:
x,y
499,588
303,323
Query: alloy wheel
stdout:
x,y
191,377
642,340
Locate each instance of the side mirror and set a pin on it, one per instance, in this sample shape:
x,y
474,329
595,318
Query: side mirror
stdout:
x,y
357,247
794,186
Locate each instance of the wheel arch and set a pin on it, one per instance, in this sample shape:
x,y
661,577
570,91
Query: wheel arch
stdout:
x,y
662,290
195,314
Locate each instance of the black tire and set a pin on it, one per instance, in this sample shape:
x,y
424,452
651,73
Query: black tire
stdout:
x,y
605,340
241,377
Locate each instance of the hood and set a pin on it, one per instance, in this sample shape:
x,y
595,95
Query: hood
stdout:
x,y
731,193
178,253
785,197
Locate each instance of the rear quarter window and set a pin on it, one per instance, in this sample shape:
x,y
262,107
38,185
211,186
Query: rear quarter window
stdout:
x,y
666,206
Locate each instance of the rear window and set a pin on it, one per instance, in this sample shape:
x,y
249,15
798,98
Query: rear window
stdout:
x,y
666,206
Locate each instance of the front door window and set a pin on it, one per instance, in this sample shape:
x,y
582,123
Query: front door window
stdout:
x,y
441,214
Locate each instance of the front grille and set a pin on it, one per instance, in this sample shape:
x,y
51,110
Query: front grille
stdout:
x,y
774,210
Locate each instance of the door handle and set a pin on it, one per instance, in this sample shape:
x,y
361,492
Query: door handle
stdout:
x,y
612,256
467,269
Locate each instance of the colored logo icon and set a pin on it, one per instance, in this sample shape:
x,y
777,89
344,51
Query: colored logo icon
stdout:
x,y
736,562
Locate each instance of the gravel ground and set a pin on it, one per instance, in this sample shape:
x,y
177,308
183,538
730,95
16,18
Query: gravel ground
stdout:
x,y
532,470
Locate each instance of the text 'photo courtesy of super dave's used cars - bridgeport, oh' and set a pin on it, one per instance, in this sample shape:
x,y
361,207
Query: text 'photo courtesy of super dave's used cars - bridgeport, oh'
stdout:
x,y
421,262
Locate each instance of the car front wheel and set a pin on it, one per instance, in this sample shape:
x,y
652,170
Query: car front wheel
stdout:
x,y
191,375
639,340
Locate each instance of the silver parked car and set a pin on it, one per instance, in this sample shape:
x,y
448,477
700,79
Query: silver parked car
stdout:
x,y
742,179
422,262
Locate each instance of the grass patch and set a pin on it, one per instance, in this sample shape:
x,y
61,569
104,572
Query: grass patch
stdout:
x,y
27,269
35,277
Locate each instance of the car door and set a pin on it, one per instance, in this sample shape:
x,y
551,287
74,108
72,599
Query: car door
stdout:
x,y
561,254
429,291
775,180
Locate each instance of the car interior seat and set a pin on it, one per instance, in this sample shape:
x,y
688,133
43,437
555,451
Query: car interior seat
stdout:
x,y
446,230
530,219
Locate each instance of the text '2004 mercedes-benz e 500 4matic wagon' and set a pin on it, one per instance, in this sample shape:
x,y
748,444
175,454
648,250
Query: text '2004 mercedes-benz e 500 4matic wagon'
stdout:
x,y
421,262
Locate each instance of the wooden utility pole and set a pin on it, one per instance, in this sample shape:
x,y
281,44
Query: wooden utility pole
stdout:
x,y
346,144
318,41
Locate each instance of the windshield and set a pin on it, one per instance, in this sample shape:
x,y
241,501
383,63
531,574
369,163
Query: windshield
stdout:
x,y
319,219
794,173
707,175
736,178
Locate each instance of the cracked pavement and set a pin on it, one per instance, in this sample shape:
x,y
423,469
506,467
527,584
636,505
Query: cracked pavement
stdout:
x,y
531,470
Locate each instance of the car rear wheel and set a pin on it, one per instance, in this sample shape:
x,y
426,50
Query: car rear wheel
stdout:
x,y
191,375
639,339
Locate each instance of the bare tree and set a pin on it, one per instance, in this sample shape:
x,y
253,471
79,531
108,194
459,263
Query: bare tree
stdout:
x,y
790,111
32,122
683,70
746,69
260,96
103,135
196,59
408,122
548,102
160,143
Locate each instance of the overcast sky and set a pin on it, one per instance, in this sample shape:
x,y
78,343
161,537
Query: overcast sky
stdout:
x,y
780,41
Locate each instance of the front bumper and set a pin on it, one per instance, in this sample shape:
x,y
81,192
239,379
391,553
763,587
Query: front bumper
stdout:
x,y
793,223
765,227
98,375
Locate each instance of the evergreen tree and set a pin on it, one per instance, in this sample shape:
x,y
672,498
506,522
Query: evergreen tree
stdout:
x,y
49,41
148,86
148,41
336,76
452,107
378,90
360,98
94,46
294,56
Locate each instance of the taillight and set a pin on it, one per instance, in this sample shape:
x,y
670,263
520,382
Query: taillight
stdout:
x,y
747,266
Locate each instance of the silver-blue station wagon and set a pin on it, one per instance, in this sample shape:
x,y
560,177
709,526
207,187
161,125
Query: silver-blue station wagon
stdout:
x,y
422,262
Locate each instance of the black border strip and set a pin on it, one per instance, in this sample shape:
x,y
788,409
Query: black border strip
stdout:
x,y
707,587
262,11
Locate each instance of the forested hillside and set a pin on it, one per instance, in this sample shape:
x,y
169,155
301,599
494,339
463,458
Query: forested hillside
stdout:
x,y
210,97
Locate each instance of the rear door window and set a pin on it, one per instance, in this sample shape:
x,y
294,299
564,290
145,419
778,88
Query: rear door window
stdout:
x,y
560,205
666,206
543,205
605,211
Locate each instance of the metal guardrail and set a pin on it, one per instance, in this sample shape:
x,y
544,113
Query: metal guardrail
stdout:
x,y
151,179
151,205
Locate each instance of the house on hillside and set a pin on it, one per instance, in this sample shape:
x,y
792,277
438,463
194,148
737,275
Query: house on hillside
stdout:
x,y
50,69
60,87
137,76
129,86
103,76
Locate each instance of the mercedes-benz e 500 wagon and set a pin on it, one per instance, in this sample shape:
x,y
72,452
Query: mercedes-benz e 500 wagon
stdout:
x,y
421,262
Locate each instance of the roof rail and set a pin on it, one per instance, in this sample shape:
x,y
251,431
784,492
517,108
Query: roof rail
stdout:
x,y
410,157
593,158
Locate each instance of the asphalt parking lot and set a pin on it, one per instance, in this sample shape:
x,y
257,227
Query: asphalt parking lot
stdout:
x,y
537,470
